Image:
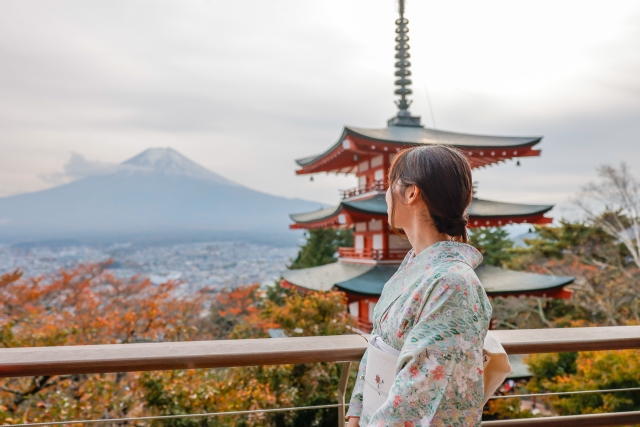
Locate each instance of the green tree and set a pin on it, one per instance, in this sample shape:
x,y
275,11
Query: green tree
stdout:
x,y
581,239
493,243
321,247
605,286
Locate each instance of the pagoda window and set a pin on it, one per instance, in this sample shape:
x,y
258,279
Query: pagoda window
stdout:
x,y
375,225
363,166
362,180
361,227
354,309
377,161
378,175
359,242
377,241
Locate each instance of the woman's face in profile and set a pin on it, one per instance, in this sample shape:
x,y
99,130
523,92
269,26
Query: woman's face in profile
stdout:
x,y
407,202
399,208
389,200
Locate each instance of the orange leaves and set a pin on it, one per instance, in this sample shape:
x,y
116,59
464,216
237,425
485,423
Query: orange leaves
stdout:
x,y
305,314
591,370
246,314
9,278
87,305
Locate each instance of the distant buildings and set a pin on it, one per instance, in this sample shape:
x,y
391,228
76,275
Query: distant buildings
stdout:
x,y
198,265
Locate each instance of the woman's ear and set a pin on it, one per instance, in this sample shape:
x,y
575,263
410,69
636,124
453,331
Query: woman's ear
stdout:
x,y
412,194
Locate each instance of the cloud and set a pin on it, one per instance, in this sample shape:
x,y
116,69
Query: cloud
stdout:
x,y
78,167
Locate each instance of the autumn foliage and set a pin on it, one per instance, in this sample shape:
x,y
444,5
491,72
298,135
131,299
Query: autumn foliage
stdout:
x,y
296,314
89,305
85,306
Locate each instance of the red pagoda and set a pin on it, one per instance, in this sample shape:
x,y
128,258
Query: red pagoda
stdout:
x,y
362,271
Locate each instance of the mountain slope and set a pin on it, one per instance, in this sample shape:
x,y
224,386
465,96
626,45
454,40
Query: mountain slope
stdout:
x,y
157,194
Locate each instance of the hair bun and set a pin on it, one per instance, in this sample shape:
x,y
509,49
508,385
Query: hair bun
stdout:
x,y
455,227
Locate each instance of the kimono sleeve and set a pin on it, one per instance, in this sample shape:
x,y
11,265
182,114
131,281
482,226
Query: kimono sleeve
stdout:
x,y
440,361
355,405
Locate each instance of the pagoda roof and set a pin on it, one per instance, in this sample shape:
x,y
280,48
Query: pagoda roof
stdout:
x,y
422,135
406,135
481,212
482,149
502,282
370,280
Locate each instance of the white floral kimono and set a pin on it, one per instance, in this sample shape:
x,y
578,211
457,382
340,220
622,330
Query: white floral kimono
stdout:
x,y
436,313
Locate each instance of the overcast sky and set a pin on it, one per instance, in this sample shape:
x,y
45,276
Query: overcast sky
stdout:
x,y
246,86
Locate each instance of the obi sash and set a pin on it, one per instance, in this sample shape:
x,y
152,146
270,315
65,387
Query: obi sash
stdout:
x,y
382,360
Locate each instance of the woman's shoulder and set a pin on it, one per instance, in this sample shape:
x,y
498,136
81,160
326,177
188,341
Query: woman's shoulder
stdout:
x,y
453,278
458,275
445,263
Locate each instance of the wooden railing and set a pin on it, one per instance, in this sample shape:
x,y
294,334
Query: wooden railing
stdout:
x,y
363,189
31,361
372,254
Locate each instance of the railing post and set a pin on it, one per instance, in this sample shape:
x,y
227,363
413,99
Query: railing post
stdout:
x,y
342,389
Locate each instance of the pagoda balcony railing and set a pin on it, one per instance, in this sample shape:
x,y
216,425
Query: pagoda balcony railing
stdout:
x,y
364,326
344,349
372,254
363,189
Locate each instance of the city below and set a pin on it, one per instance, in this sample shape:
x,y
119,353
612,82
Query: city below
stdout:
x,y
197,265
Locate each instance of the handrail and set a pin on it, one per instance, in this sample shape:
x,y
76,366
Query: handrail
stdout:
x,y
94,359
31,361
379,185
373,254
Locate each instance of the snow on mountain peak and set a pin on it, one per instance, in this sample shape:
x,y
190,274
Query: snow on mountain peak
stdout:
x,y
168,161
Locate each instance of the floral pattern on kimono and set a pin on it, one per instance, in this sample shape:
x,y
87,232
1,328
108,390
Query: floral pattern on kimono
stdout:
x,y
436,313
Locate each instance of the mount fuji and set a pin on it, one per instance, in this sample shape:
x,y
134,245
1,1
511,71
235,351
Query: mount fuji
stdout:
x,y
157,195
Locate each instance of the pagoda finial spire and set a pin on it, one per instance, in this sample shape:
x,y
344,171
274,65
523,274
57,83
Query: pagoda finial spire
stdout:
x,y
404,117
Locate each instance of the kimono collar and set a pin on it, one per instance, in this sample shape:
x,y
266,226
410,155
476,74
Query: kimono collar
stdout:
x,y
414,266
448,251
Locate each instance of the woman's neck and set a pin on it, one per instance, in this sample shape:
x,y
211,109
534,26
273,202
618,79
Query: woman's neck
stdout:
x,y
422,234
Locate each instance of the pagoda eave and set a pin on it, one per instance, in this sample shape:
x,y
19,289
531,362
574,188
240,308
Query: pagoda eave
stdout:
x,y
365,144
502,221
558,293
332,223
482,213
368,281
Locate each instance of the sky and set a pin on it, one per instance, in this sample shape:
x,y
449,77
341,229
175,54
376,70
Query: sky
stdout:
x,y
247,86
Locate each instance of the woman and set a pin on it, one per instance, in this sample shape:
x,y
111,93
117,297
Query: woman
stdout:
x,y
434,310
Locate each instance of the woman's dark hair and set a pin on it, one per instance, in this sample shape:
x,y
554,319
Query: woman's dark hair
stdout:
x,y
443,176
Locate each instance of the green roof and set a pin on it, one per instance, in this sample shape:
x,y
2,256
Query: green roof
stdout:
x,y
325,277
377,205
369,280
519,369
500,281
369,283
